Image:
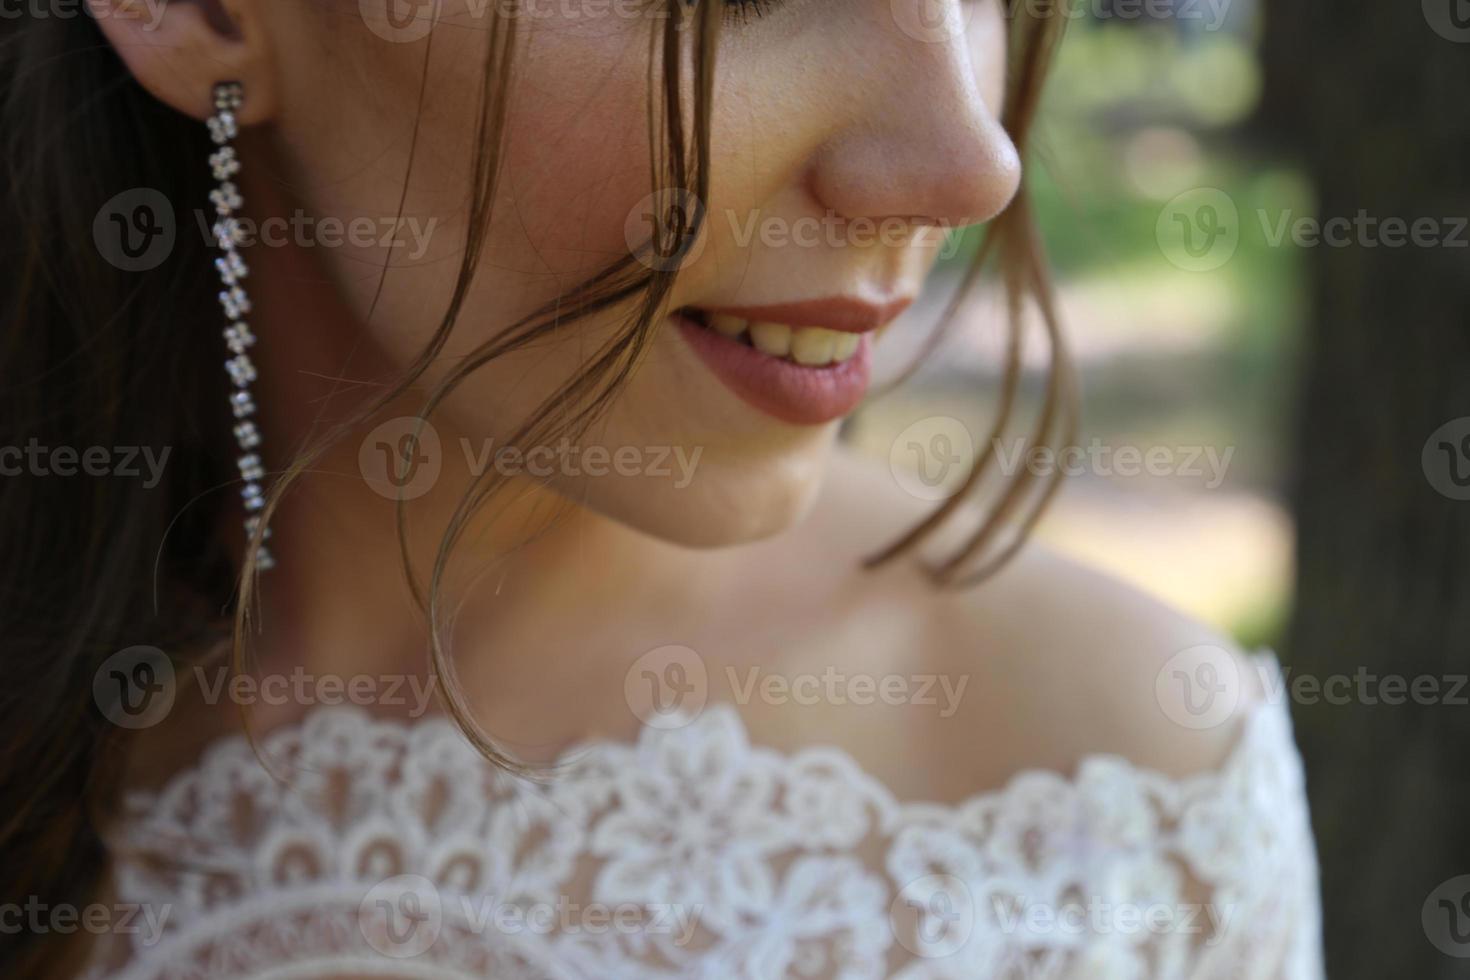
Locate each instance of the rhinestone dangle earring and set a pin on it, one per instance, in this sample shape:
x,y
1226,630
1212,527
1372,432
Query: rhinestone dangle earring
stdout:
x,y
226,199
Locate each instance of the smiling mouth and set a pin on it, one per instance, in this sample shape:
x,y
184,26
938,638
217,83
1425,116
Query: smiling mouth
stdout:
x,y
802,363
810,347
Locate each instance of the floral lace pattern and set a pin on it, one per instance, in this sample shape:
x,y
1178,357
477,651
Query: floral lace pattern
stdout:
x,y
394,850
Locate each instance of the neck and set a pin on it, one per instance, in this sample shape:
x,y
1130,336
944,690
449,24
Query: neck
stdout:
x,y
339,602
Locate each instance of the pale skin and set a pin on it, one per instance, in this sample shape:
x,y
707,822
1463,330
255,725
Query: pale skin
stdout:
x,y
757,562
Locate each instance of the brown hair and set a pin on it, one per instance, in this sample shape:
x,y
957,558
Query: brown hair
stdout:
x,y
91,355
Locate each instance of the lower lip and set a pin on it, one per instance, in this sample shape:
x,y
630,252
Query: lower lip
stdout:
x,y
792,393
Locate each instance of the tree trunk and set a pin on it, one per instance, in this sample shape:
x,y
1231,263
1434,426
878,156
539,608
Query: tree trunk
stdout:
x,y
1373,100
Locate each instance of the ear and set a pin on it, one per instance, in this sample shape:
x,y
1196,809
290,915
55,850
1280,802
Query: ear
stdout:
x,y
180,49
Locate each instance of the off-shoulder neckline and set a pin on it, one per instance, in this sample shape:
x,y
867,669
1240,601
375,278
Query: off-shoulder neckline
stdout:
x,y
1266,720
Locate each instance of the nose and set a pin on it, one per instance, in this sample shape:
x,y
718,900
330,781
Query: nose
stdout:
x,y
922,143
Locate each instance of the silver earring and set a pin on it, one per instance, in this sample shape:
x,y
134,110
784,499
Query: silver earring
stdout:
x,y
232,270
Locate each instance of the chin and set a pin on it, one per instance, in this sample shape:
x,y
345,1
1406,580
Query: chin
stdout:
x,y
726,503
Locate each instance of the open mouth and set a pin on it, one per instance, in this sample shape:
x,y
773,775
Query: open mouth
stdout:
x,y
799,375
810,347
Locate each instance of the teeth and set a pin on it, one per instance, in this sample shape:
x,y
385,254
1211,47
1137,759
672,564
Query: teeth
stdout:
x,y
813,346
730,326
807,346
845,346
771,338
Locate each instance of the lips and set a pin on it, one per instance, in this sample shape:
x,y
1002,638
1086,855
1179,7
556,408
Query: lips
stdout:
x,y
804,364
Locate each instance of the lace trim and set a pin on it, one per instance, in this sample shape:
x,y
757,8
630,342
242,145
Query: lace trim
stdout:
x,y
395,850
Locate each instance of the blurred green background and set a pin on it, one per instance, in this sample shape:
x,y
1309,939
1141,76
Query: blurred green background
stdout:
x,y
1139,110
1330,371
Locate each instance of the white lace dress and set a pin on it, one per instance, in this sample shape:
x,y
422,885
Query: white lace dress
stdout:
x,y
395,851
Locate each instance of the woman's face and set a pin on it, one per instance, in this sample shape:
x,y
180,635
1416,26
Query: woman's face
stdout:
x,y
848,136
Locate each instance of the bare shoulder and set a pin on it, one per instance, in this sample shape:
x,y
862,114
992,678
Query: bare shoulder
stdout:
x,y
1102,666
1055,661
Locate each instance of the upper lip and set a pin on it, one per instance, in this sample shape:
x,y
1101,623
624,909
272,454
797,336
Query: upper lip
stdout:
x,y
843,313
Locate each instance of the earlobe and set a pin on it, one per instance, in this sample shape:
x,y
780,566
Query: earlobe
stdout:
x,y
179,50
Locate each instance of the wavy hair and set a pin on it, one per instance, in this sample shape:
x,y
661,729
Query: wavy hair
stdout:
x,y
91,355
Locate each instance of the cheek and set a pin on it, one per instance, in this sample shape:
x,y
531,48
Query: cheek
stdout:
x,y
577,155
574,164
988,35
